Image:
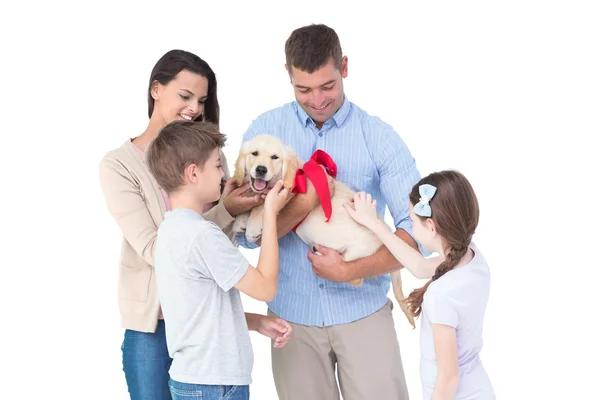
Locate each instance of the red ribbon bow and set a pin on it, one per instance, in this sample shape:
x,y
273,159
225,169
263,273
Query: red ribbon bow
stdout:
x,y
313,171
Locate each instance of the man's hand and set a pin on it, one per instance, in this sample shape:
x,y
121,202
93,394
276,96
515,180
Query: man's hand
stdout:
x,y
275,328
329,265
311,199
239,200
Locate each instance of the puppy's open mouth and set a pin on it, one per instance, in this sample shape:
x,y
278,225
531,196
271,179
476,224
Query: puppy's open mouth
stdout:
x,y
258,184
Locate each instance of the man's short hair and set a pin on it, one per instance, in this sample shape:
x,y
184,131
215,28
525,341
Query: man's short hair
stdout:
x,y
311,47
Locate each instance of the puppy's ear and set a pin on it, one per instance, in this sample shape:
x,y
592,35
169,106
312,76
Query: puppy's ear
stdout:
x,y
291,164
240,166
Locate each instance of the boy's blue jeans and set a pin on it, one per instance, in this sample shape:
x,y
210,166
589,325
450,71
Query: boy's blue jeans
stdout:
x,y
189,391
146,364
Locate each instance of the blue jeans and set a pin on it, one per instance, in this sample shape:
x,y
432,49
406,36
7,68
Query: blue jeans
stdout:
x,y
189,391
146,364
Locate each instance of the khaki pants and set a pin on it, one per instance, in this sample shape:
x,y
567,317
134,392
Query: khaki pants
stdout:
x,y
366,352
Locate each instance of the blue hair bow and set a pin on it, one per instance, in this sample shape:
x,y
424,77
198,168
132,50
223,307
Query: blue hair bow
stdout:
x,y
423,208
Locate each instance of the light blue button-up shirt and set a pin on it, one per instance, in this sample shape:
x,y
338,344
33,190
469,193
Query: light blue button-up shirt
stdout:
x,y
371,157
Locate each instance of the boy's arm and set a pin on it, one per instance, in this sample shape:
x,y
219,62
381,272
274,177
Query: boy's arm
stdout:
x,y
260,283
274,328
295,211
288,218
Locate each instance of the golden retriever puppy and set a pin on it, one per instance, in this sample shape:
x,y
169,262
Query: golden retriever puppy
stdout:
x,y
264,160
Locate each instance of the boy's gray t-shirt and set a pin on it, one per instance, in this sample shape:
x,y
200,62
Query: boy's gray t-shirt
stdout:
x,y
196,268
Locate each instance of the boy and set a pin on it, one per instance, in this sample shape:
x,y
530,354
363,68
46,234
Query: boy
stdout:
x,y
200,272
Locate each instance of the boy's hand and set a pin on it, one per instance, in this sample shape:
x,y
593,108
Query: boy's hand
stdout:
x,y
364,211
276,198
275,328
239,200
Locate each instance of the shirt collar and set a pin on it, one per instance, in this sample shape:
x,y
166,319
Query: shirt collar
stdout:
x,y
338,118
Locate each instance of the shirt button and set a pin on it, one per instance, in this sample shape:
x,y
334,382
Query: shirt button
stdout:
x,y
321,134
321,285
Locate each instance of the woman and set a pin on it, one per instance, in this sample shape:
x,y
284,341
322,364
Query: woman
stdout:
x,y
182,86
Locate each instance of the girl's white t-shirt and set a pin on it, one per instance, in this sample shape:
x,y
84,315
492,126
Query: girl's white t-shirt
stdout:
x,y
459,299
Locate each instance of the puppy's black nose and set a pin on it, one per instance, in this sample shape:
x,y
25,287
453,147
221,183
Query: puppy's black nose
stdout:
x,y
261,170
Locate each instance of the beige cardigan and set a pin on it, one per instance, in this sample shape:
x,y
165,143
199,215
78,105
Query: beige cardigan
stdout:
x,y
134,200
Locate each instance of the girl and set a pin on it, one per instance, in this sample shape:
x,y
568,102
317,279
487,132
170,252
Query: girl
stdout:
x,y
444,212
182,87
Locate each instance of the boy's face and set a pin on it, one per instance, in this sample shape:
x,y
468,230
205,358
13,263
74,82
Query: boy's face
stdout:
x,y
209,179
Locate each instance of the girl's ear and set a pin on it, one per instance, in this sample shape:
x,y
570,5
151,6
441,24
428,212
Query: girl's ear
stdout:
x,y
430,225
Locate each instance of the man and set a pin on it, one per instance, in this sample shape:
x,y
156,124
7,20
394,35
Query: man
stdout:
x,y
333,322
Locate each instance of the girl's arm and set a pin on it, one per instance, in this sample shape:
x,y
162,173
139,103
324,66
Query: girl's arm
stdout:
x,y
446,354
365,213
413,260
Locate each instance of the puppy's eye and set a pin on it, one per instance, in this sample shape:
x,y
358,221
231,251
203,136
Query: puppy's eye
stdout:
x,y
274,157
255,153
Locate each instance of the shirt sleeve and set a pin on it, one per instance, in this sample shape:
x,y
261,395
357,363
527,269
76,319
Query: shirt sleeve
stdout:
x,y
221,260
126,205
439,309
398,174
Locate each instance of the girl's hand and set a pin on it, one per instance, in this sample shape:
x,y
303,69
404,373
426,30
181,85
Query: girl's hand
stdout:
x,y
364,211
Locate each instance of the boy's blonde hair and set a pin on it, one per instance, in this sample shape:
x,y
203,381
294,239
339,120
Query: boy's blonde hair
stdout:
x,y
178,145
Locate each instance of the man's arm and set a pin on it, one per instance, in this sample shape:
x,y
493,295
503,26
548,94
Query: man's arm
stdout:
x,y
288,218
382,262
294,212
397,175
330,265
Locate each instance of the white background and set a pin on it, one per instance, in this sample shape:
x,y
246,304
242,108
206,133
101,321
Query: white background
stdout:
x,y
506,92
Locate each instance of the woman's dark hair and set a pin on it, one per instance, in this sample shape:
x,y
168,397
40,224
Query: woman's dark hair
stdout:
x,y
172,63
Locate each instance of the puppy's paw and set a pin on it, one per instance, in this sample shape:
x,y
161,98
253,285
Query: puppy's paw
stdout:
x,y
356,282
253,233
314,250
239,225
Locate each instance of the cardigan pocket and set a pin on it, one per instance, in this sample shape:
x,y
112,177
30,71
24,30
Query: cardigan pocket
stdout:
x,y
134,283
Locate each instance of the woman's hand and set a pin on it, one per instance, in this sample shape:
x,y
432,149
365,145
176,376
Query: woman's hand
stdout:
x,y
239,200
